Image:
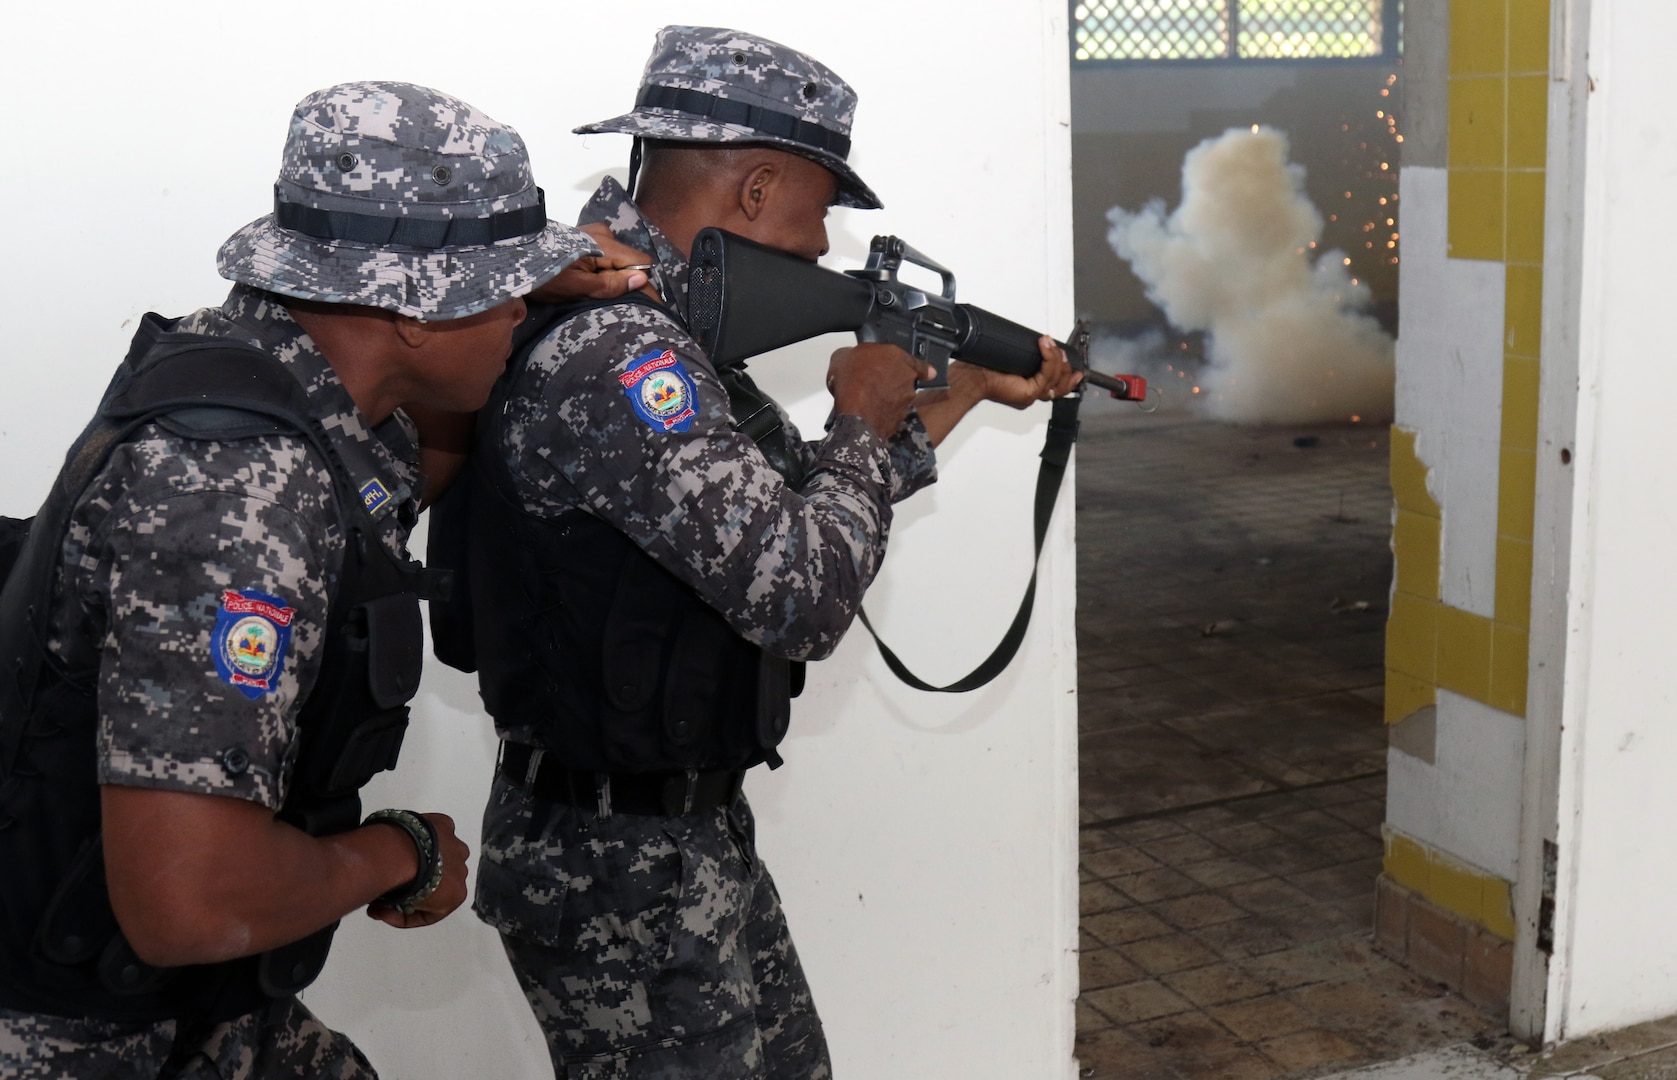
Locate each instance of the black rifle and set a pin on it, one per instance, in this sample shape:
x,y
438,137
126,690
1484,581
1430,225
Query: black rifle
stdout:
x,y
744,299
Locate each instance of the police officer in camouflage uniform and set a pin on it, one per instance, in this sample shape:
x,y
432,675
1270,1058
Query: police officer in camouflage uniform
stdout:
x,y
195,603
649,555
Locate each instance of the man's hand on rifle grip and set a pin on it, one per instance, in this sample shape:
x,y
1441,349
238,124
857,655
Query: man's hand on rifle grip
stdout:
x,y
875,382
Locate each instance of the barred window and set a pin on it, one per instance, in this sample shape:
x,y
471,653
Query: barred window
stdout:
x,y
1126,30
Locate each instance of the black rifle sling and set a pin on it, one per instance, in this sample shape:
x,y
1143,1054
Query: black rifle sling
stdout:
x,y
1056,452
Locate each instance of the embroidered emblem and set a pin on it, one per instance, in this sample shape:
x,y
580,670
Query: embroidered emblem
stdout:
x,y
252,631
661,391
374,495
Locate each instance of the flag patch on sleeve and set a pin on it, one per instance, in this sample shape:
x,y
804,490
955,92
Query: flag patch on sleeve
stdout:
x,y
661,391
252,632
374,495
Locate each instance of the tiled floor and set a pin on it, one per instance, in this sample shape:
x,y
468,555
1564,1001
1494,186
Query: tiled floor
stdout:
x,y
1232,597
1643,1052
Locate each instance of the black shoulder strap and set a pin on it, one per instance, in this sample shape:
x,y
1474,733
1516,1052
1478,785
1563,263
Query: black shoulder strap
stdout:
x,y
1056,452
201,387
202,374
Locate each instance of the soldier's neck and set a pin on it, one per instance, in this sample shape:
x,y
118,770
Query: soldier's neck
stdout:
x,y
354,343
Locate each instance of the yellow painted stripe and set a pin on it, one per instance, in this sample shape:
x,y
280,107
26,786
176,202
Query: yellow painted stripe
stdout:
x,y
1479,897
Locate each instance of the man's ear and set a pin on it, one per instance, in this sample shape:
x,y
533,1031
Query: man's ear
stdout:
x,y
412,332
756,188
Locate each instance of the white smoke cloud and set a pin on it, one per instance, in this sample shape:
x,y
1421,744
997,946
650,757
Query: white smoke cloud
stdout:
x,y
1144,355
1287,340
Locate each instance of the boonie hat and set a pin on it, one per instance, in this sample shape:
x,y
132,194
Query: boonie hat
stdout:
x,y
707,84
397,196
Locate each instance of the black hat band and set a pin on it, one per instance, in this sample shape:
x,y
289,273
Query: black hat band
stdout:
x,y
777,125
408,231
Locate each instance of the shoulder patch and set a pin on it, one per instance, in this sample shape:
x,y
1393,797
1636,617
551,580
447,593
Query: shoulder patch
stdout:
x,y
661,391
374,495
252,631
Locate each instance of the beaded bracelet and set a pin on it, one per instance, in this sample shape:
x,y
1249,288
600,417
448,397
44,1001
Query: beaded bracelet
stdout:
x,y
405,898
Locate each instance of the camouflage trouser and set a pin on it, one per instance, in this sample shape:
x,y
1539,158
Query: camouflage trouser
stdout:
x,y
284,1040
650,948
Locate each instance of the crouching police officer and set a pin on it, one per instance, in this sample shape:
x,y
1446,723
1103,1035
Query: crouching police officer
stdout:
x,y
651,545
209,641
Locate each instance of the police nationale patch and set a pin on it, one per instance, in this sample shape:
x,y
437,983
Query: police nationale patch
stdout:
x,y
252,631
374,495
661,391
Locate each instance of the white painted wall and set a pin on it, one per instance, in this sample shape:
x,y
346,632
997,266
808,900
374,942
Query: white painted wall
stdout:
x,y
925,847
1535,1013
1466,801
1449,386
1615,960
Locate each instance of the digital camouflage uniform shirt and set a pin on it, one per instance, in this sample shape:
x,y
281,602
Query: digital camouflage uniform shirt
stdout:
x,y
786,568
654,947
167,548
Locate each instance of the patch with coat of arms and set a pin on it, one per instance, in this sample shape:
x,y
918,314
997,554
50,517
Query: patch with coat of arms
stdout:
x,y
249,641
661,391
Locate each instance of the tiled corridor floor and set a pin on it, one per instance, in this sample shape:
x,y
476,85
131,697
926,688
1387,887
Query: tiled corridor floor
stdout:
x,y
1232,596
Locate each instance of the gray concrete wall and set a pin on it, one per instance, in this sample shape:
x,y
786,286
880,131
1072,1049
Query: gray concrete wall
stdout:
x,y
1426,91
1131,126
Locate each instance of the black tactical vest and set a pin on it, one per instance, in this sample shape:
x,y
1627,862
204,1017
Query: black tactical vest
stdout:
x,y
576,633
61,951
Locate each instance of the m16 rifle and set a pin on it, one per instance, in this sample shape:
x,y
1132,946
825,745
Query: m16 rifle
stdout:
x,y
744,299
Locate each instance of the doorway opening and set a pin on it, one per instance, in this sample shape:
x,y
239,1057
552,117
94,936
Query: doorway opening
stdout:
x,y
1233,585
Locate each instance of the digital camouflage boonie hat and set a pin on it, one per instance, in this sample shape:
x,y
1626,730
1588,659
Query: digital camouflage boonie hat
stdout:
x,y
396,196
707,84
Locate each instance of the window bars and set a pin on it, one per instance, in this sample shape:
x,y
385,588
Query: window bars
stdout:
x,y
1210,30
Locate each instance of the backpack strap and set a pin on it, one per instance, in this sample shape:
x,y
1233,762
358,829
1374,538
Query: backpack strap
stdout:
x,y
194,386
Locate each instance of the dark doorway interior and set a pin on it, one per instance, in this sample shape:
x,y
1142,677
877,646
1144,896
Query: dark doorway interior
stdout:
x,y
1232,591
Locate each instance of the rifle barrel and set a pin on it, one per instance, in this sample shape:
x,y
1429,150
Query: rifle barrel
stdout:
x,y
997,343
